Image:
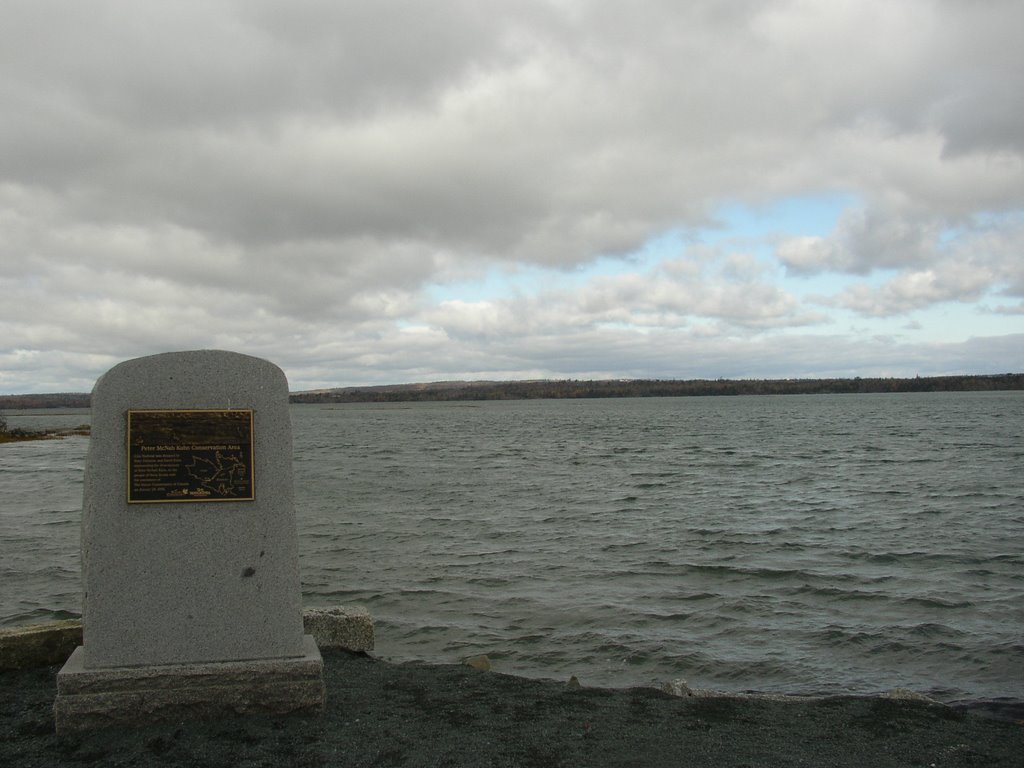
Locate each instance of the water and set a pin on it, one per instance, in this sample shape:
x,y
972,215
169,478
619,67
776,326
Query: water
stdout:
x,y
798,544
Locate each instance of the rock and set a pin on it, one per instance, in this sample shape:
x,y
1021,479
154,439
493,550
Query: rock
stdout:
x,y
480,662
573,683
39,645
677,688
350,627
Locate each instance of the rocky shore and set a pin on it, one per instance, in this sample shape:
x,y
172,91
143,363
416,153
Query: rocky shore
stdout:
x,y
23,435
384,714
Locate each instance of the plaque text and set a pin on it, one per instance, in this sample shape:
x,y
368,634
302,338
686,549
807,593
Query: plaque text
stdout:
x,y
197,455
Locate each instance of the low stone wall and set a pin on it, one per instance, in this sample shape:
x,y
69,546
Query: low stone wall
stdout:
x,y
39,645
43,645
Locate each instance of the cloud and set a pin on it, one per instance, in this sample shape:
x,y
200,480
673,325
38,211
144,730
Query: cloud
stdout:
x,y
278,176
952,265
909,291
865,240
700,287
532,131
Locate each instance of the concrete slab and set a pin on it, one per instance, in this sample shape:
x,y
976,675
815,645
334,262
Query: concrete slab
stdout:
x,y
97,698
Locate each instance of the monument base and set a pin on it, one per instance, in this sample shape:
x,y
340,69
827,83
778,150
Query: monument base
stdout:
x,y
95,698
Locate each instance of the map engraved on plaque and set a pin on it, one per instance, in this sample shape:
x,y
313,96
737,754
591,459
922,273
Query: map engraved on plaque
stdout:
x,y
194,455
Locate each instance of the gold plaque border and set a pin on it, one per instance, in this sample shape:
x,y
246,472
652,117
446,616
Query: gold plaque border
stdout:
x,y
128,457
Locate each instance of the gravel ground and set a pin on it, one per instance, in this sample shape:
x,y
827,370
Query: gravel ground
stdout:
x,y
382,714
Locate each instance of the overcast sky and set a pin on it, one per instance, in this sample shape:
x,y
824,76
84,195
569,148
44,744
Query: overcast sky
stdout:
x,y
396,191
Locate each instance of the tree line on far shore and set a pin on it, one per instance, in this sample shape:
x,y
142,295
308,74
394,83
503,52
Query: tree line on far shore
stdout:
x,y
573,388
54,400
530,390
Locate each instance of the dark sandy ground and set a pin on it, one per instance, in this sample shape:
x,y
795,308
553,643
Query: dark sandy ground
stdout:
x,y
382,714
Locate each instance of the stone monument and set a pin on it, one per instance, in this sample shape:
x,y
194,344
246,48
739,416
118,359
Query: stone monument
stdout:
x,y
191,594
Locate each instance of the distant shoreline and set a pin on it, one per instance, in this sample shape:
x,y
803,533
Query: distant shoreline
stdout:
x,y
621,388
23,435
442,391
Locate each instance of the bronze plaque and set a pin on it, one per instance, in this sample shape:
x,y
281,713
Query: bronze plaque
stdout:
x,y
200,455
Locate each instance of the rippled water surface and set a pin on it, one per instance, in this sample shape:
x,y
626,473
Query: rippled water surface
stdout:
x,y
796,544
